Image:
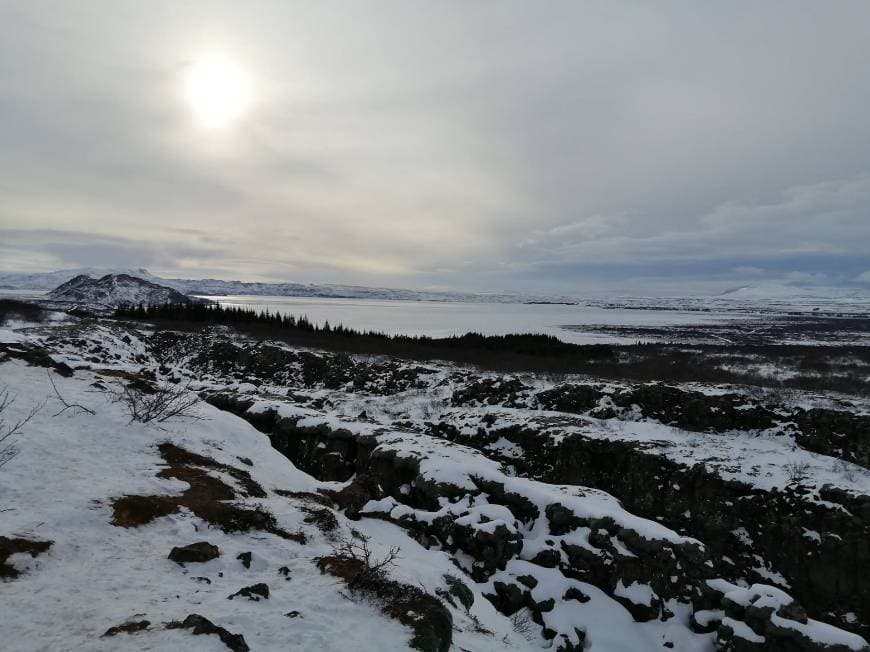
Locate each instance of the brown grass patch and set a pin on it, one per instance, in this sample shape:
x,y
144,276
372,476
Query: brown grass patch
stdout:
x,y
128,628
306,497
10,547
207,497
176,456
321,518
136,381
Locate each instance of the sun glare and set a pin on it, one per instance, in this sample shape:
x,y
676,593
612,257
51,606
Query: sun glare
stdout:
x,y
217,92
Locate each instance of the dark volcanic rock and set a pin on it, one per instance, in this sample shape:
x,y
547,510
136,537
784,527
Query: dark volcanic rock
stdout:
x,y
835,433
201,626
827,576
570,398
490,391
253,592
695,410
755,530
201,551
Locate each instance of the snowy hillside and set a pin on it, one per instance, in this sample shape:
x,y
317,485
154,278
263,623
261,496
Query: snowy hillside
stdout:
x,y
511,512
113,290
782,291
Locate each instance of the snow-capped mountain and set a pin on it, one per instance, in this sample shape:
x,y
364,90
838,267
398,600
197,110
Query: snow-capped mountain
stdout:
x,y
50,280
219,287
114,289
772,290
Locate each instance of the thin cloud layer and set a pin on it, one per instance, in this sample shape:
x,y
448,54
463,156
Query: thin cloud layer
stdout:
x,y
563,146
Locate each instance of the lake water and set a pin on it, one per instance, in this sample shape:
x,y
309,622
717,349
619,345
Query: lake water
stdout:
x,y
442,319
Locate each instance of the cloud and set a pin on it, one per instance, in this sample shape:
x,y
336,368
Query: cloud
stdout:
x,y
824,219
807,277
416,145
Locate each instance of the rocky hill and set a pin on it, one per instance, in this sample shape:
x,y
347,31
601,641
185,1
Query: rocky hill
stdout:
x,y
113,290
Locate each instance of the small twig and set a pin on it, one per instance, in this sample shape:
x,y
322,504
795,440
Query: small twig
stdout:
x,y
8,452
66,406
7,431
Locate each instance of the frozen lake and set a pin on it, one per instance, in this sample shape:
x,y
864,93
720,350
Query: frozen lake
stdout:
x,y
442,319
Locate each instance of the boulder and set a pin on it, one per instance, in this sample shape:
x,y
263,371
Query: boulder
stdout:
x,y
199,552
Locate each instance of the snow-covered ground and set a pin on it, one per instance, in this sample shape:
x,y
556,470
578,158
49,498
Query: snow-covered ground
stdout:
x,y
97,575
71,465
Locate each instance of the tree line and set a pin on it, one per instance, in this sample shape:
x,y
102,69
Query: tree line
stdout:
x,y
265,322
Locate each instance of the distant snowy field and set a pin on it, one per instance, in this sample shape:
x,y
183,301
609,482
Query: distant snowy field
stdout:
x,y
587,322
443,319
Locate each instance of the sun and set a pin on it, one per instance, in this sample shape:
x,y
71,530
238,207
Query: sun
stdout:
x,y
217,92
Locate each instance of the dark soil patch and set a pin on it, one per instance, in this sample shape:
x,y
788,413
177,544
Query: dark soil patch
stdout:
x,y
306,497
424,614
207,497
128,628
254,592
357,493
322,518
36,357
12,546
200,625
134,381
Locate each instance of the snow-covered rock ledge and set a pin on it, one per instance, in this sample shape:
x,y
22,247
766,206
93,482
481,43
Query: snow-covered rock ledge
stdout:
x,y
568,561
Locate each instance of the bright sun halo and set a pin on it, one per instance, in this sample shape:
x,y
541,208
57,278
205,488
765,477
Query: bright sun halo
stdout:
x,y
217,92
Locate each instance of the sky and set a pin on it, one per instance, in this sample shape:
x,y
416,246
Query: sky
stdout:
x,y
572,147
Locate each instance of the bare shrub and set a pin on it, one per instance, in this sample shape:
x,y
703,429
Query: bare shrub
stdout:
x,y
797,472
431,408
157,404
477,626
368,570
846,470
367,576
9,429
522,624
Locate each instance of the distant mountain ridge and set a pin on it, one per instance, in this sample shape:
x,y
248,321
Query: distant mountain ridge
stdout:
x,y
112,290
762,294
773,290
50,280
218,287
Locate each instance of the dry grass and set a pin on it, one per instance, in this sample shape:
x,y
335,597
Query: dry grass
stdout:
x,y
207,497
10,547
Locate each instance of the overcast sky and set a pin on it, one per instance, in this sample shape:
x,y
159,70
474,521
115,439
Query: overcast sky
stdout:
x,y
564,146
